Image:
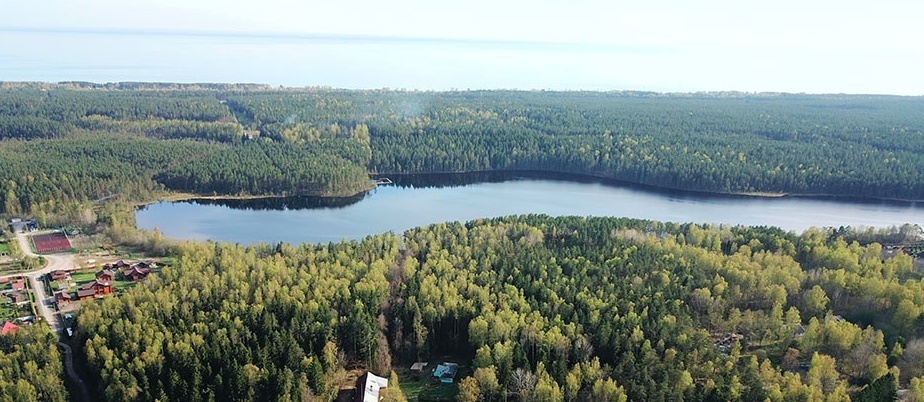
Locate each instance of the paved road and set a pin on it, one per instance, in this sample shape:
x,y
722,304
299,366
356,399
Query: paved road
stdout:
x,y
69,367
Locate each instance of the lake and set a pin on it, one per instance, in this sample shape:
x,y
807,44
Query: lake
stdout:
x,y
419,200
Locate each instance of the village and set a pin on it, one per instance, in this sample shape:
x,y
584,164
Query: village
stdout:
x,y
65,282
46,275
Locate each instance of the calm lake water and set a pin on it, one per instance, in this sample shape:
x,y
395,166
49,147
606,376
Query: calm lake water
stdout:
x,y
421,200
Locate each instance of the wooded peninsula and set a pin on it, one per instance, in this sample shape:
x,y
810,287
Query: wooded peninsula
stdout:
x,y
536,308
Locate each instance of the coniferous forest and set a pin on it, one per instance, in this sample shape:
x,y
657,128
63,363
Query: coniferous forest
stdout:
x,y
548,309
543,308
75,142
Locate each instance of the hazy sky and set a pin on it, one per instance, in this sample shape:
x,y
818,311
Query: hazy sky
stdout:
x,y
794,46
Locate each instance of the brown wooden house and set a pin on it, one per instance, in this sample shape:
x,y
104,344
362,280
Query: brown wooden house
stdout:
x,y
59,275
137,273
105,276
100,287
62,299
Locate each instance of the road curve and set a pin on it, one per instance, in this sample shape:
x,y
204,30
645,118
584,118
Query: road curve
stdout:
x,y
69,367
43,302
55,262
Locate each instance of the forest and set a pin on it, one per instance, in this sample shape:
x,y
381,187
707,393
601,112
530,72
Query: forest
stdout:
x,y
72,143
540,308
546,309
30,366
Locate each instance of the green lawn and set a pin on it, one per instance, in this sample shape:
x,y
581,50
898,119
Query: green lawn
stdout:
x,y
436,391
411,385
4,248
7,311
123,285
82,277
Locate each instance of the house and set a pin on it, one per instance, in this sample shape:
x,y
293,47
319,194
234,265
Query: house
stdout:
x,y
368,386
100,286
19,284
146,264
59,275
105,276
8,328
85,294
62,277
119,265
62,299
446,372
137,273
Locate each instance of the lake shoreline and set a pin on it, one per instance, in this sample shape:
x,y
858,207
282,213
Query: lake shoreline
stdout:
x,y
412,201
507,175
583,177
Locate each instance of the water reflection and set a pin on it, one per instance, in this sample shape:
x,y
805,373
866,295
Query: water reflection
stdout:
x,y
281,203
419,200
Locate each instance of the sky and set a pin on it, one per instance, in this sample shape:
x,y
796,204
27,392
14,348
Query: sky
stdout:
x,y
817,46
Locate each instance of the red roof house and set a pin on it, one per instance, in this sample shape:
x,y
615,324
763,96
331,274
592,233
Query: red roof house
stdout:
x,y
8,328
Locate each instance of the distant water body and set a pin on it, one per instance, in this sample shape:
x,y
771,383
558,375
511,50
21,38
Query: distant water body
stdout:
x,y
308,60
423,200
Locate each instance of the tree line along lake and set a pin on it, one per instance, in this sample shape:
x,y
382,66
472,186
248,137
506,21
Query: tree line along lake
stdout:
x,y
419,200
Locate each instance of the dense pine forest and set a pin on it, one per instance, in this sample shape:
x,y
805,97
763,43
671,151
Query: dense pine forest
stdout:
x,y
546,309
537,308
69,143
30,366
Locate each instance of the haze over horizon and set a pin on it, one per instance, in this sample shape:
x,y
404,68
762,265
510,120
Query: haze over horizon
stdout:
x,y
663,46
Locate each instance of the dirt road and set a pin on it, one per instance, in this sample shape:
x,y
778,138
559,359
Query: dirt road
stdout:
x,y
44,302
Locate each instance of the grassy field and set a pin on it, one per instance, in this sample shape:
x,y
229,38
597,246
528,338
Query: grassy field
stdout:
x,y
123,285
7,311
411,385
425,388
4,248
436,391
84,276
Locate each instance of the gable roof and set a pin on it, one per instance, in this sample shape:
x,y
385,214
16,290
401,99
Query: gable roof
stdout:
x,y
86,292
8,328
371,384
137,271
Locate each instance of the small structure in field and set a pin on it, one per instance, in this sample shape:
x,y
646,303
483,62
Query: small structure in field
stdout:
x,y
418,368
